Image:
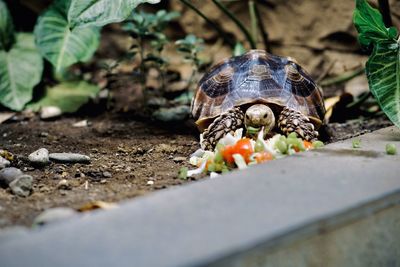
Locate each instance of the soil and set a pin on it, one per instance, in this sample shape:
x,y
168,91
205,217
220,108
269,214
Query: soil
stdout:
x,y
133,152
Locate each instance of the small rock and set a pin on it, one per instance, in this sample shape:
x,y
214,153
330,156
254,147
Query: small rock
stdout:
x,y
179,159
7,175
4,163
22,185
54,215
64,185
69,158
39,157
107,175
50,112
178,113
81,124
43,134
150,182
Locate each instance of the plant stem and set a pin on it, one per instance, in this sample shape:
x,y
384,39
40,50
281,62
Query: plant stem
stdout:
x,y
237,22
264,33
385,10
210,22
342,78
253,20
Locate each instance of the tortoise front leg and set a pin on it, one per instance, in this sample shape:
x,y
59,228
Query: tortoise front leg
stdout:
x,y
227,122
291,120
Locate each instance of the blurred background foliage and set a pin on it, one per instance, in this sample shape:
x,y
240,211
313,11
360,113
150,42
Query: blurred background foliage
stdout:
x,y
159,53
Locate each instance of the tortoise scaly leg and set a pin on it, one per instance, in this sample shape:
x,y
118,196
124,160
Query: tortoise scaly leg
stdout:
x,y
227,122
291,120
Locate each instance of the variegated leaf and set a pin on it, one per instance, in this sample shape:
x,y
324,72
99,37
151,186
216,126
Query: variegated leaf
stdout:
x,y
383,72
60,44
20,70
7,36
101,12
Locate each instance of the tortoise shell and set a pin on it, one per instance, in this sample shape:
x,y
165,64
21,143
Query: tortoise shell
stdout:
x,y
256,77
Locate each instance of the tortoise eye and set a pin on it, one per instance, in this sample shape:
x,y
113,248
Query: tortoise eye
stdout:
x,y
265,116
247,116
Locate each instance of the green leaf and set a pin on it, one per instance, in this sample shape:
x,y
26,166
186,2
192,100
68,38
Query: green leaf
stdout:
x,y
58,43
7,36
20,70
101,12
68,96
370,26
383,72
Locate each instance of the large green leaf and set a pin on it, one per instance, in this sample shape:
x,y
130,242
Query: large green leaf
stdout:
x,y
383,72
7,36
370,26
20,70
68,96
58,43
101,12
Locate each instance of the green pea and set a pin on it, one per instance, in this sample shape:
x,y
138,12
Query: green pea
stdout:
x,y
183,173
292,135
295,142
218,157
356,143
211,167
317,144
225,169
391,149
281,146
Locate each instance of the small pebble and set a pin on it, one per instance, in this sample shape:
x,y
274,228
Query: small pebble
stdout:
x,y
69,158
39,157
81,124
7,175
178,113
54,215
150,182
63,185
43,134
4,163
107,175
22,185
50,112
179,159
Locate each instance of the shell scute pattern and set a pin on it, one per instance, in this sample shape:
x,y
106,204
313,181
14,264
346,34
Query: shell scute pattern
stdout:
x,y
256,77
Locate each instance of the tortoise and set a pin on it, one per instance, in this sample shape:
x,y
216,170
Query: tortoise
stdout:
x,y
254,91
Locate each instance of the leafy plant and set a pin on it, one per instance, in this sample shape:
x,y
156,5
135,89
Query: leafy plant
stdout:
x,y
7,37
383,66
147,31
60,44
66,33
68,96
101,12
21,66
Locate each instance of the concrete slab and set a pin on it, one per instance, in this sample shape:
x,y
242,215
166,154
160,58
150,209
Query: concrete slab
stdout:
x,y
257,217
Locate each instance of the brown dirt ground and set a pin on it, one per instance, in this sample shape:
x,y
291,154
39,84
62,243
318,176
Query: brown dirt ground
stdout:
x,y
134,152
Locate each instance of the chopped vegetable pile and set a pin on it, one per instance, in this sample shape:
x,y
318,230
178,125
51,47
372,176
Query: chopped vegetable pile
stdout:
x,y
235,151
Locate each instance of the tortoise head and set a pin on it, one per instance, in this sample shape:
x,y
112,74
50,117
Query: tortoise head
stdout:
x,y
258,116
